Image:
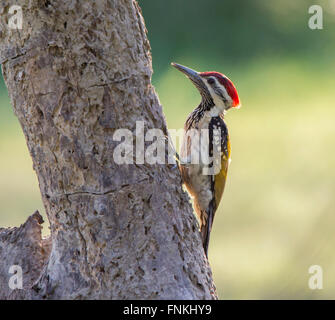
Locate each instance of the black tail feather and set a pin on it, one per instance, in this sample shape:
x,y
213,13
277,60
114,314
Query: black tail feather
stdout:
x,y
207,228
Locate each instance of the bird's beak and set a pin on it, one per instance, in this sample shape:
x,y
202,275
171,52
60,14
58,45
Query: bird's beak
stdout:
x,y
196,79
191,74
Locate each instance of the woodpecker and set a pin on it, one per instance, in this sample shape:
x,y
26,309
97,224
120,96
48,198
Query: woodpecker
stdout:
x,y
204,182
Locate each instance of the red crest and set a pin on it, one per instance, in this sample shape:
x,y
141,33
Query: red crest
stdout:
x,y
227,83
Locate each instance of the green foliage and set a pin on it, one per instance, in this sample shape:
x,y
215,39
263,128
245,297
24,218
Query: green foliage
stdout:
x,y
233,32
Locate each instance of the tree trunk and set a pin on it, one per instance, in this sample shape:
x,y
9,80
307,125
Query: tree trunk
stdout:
x,y
76,72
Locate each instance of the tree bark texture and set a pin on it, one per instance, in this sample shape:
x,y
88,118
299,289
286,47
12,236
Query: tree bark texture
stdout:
x,y
76,72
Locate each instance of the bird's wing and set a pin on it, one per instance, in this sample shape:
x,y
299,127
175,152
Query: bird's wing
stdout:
x,y
219,179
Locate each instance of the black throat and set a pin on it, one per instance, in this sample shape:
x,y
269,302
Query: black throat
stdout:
x,y
197,114
206,103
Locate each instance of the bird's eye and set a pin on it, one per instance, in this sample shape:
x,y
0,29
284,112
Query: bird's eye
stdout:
x,y
211,81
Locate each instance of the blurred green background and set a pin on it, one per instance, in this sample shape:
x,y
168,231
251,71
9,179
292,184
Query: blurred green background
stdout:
x,y
278,212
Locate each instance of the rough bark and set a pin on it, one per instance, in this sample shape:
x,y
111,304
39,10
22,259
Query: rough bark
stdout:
x,y
76,72
22,247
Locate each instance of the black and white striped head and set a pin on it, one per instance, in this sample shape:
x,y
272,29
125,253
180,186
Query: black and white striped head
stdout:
x,y
215,88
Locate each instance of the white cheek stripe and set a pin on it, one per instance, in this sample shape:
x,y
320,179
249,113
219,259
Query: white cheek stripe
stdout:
x,y
218,100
